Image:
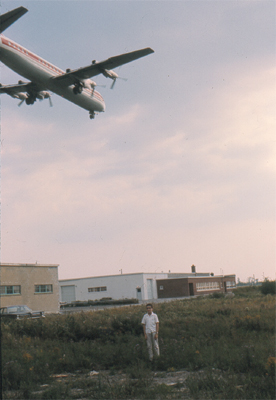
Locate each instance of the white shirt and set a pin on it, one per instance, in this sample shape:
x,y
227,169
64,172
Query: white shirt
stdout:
x,y
150,322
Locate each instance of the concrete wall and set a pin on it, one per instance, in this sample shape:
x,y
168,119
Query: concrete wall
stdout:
x,y
122,286
27,276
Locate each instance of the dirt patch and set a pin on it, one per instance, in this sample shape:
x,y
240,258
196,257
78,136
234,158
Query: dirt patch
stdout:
x,y
81,384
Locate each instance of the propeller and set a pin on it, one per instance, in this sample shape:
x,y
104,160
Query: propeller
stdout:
x,y
45,95
21,102
22,97
89,84
108,73
93,86
114,81
48,96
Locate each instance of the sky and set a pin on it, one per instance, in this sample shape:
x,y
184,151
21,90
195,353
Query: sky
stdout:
x,y
179,170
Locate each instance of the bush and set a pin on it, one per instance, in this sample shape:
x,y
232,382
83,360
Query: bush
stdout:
x,y
216,295
268,287
102,302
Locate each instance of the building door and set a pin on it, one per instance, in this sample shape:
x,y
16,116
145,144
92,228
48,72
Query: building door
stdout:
x,y
150,289
68,294
138,293
191,289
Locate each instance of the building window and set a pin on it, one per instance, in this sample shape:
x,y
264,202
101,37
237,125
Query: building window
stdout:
x,y
161,287
10,290
207,286
230,284
97,289
43,288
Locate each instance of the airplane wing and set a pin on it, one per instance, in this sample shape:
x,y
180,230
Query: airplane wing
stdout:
x,y
97,68
10,17
27,92
21,87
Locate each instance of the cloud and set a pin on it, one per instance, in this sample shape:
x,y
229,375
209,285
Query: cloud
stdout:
x,y
180,169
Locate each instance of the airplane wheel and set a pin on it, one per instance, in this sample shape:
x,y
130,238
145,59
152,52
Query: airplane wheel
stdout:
x,y
77,89
30,101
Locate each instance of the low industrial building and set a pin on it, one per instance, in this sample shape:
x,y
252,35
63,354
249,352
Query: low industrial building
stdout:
x,y
139,286
194,285
38,287
143,286
34,285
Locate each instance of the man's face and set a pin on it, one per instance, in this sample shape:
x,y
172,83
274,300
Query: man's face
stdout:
x,y
149,310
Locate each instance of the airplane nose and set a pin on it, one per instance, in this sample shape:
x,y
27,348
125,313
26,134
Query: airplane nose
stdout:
x,y
103,107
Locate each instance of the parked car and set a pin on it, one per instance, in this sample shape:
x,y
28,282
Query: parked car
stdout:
x,y
17,312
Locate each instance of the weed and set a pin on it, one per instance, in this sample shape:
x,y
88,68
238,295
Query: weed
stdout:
x,y
216,385
230,339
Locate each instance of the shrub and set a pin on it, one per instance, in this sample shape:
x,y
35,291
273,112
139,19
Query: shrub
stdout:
x,y
268,287
247,291
216,295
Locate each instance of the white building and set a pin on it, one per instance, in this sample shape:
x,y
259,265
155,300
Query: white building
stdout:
x,y
141,286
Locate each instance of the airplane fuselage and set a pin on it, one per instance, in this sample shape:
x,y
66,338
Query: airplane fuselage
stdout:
x,y
40,71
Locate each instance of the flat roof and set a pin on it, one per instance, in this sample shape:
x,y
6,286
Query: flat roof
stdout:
x,y
29,265
202,277
189,276
111,276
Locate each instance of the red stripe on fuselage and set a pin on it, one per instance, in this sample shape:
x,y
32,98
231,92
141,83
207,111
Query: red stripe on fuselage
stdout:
x,y
49,67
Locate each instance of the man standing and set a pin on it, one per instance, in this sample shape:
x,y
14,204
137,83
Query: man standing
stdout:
x,y
150,324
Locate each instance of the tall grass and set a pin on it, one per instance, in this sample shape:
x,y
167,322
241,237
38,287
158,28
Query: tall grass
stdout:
x,y
229,342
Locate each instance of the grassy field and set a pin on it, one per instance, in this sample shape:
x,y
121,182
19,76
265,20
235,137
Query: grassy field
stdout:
x,y
224,346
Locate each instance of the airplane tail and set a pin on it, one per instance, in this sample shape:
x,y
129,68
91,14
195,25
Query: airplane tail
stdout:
x,y
10,17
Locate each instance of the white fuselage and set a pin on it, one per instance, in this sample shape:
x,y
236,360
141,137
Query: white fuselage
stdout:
x,y
41,72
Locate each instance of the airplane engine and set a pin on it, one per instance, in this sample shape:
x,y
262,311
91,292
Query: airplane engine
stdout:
x,y
43,95
108,73
89,84
21,96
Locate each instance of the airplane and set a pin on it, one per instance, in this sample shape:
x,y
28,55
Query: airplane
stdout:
x,y
44,77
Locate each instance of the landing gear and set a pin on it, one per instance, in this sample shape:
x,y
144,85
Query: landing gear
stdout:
x,y
77,89
92,114
30,99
